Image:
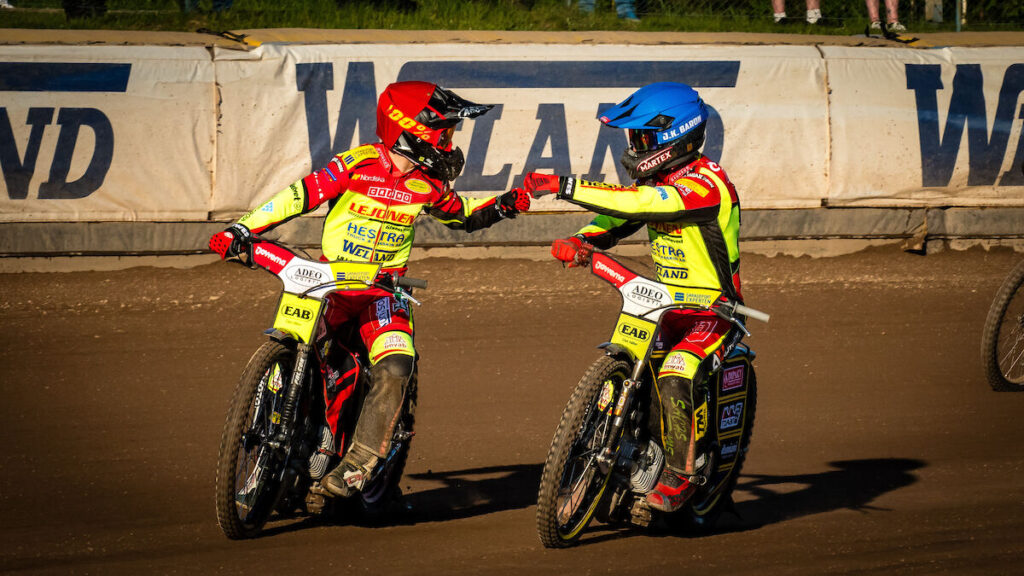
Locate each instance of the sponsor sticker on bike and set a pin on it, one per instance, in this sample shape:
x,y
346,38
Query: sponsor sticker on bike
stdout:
x,y
606,396
634,334
274,382
729,449
732,378
731,416
297,316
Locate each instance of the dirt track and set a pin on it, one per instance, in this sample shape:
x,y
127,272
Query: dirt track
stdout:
x,y
878,446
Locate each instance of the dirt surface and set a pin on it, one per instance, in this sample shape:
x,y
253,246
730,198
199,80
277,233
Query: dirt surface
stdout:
x,y
878,448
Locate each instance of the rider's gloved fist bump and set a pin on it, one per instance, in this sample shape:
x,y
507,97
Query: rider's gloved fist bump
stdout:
x,y
566,249
232,241
514,201
541,184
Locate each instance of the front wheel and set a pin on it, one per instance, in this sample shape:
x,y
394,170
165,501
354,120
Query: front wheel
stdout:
x,y
249,470
572,483
1002,339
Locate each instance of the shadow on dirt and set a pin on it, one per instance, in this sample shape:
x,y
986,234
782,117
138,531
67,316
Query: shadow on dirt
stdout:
x,y
475,492
853,485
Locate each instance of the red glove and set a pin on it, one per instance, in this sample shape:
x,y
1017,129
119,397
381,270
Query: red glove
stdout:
x,y
513,202
232,241
542,184
572,250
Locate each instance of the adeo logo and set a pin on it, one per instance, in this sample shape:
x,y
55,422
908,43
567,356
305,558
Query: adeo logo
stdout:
x,y
305,275
646,295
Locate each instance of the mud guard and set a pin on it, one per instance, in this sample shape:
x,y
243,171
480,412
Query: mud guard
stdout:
x,y
617,351
281,336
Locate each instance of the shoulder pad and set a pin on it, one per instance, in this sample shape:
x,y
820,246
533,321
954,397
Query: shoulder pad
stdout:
x,y
356,156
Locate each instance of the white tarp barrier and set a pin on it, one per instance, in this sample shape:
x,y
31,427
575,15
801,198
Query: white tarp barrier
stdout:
x,y
286,107
926,127
106,133
173,133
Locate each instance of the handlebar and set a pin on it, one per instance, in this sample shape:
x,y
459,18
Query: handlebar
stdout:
x,y
406,282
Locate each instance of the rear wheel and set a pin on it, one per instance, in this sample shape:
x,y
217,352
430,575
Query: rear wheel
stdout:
x,y
572,484
249,471
1002,340
384,489
703,511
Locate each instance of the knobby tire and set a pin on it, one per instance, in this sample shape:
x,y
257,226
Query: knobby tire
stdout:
x,y
700,515
1002,339
574,442
242,513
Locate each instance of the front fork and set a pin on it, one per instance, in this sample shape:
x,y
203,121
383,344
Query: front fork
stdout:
x,y
622,409
282,440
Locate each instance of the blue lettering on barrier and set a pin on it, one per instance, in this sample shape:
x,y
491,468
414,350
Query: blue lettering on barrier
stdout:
x,y
63,77
986,151
572,74
358,106
58,77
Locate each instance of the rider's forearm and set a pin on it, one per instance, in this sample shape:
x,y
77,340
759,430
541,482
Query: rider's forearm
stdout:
x,y
604,232
664,203
469,214
284,206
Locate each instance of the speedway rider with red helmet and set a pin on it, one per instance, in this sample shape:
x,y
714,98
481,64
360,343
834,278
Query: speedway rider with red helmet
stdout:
x,y
375,192
692,214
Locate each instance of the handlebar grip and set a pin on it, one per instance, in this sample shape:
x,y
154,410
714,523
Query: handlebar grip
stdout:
x,y
751,313
412,282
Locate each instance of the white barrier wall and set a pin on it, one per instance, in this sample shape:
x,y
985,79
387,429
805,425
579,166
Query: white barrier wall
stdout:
x,y
106,133
162,133
926,127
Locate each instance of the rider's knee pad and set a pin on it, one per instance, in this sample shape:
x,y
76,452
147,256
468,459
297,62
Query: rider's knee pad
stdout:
x,y
396,367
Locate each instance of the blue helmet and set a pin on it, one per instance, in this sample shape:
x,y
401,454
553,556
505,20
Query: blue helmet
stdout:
x,y
665,124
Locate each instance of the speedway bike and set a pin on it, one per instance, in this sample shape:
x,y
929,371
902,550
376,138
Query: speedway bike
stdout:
x,y
1002,338
299,397
603,458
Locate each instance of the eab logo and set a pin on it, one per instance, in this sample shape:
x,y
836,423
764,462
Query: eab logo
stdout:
x,y
634,332
300,313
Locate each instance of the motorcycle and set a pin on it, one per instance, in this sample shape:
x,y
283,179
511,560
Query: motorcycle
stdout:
x,y
603,459
298,399
1002,338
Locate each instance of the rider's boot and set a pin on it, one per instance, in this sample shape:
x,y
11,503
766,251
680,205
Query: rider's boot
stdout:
x,y
377,419
671,492
352,474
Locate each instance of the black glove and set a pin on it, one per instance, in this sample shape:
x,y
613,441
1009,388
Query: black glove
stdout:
x,y
513,202
232,241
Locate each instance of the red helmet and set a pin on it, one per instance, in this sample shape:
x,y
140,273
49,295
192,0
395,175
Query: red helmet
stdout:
x,y
417,120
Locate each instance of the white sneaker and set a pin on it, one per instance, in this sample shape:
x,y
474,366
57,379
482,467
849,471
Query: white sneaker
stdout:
x,y
896,27
813,16
6,5
779,17
876,26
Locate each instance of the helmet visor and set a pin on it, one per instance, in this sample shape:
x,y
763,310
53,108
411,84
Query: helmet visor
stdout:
x,y
642,140
444,140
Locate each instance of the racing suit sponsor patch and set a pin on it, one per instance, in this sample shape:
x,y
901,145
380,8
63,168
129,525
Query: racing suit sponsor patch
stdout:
x,y
383,312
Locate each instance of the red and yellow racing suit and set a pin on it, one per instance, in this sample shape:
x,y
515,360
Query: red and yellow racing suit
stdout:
x,y
371,216
693,217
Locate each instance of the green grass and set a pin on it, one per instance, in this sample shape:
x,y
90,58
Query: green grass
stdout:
x,y
543,15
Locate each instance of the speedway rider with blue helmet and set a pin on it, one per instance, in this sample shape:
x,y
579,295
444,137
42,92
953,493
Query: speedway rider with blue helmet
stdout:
x,y
692,214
